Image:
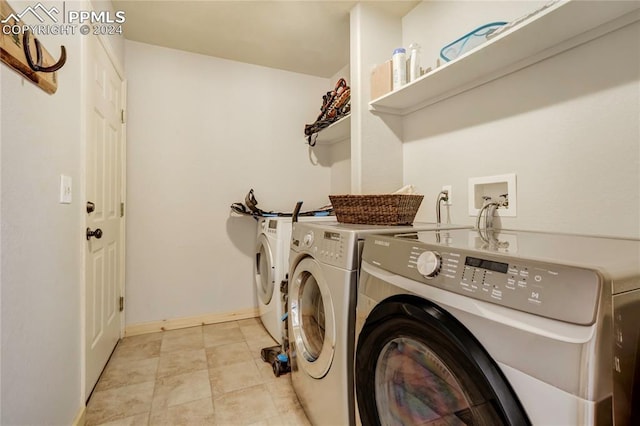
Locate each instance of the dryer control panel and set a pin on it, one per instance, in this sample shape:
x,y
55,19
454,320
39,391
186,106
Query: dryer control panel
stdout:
x,y
329,246
561,292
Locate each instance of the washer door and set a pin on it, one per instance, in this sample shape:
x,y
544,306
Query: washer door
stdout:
x,y
417,365
313,327
265,270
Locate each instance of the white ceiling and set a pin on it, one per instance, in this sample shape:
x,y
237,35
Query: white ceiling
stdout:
x,y
305,36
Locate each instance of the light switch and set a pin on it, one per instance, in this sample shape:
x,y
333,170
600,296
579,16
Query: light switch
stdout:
x,y
65,189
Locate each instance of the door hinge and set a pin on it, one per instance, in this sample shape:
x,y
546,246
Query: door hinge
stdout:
x,y
121,209
122,116
121,303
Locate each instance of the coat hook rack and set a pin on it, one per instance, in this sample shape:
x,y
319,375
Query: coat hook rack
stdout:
x,y
16,52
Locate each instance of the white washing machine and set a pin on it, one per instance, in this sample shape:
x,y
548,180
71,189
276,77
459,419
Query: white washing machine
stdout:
x,y
271,267
323,275
505,328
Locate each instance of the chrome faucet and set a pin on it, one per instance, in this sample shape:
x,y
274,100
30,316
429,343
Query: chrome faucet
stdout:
x,y
442,196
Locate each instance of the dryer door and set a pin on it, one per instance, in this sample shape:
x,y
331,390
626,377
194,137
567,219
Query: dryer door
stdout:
x,y
313,328
265,270
417,365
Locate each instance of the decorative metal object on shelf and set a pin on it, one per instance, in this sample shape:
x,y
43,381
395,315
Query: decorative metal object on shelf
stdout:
x,y
336,104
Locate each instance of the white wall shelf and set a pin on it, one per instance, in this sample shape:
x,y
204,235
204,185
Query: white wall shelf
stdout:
x,y
560,27
336,132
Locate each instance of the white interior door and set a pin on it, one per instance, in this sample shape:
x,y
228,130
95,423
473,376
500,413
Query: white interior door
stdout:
x,y
103,276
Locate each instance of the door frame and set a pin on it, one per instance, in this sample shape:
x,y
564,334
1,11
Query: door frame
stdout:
x,y
103,42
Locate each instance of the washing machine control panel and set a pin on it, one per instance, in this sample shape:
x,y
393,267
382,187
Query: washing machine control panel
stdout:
x,y
332,247
555,291
428,263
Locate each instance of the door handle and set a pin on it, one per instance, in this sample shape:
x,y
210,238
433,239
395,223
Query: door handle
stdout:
x,y
90,207
97,233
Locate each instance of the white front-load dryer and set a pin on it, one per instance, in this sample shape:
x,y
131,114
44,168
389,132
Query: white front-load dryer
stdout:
x,y
498,328
324,267
271,266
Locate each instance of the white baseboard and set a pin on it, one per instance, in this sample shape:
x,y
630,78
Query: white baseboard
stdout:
x,y
80,420
173,324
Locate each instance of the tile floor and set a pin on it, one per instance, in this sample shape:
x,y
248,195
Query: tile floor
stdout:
x,y
208,375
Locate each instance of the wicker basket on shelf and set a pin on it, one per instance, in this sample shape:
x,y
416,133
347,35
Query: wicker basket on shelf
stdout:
x,y
386,209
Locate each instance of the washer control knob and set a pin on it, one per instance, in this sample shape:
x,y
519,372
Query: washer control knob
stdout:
x,y
308,239
429,263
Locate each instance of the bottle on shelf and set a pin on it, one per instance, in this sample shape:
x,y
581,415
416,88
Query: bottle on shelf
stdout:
x,y
413,62
399,65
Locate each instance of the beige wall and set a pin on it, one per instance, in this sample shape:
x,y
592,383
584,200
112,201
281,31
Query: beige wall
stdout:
x,y
42,240
340,151
376,141
201,132
41,244
568,127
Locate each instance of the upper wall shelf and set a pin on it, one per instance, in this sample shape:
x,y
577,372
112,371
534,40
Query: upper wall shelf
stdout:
x,y
336,132
554,30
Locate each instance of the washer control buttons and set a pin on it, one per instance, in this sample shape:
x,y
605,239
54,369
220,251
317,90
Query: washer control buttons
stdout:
x,y
429,263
